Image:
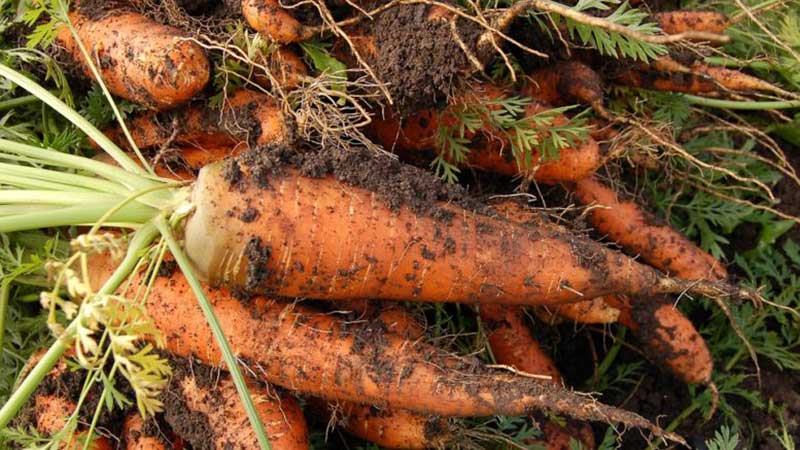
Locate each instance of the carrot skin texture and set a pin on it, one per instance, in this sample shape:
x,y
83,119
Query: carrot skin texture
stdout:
x,y
361,248
418,133
681,21
317,354
139,59
220,404
135,438
642,233
203,127
271,19
566,83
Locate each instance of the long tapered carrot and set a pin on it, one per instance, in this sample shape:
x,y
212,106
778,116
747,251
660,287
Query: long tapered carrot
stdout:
x,y
512,344
246,116
643,234
215,400
669,337
490,150
315,353
138,59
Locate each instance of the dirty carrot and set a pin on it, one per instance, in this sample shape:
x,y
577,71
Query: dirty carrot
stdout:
x,y
318,354
320,238
512,344
199,391
681,21
271,19
246,117
565,83
490,151
642,233
136,436
138,59
388,428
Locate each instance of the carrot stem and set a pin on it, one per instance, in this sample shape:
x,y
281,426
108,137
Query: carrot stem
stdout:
x,y
18,101
742,105
5,288
140,240
208,311
73,116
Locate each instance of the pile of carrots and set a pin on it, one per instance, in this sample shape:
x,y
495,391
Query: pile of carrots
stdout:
x,y
276,221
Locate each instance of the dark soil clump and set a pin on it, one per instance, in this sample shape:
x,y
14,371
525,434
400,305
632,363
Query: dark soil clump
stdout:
x,y
419,58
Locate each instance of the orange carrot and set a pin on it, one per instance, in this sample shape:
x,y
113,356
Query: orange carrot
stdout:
x,y
670,338
286,67
246,116
139,59
318,354
136,437
338,241
681,21
51,407
490,151
271,19
565,83
199,391
389,428
667,333
512,344
641,233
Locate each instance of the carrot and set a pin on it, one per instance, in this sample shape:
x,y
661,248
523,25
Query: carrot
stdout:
x,y
271,19
564,83
681,21
137,437
51,406
320,355
339,241
389,428
512,344
670,338
139,59
201,392
667,333
643,234
669,75
286,67
247,115
489,151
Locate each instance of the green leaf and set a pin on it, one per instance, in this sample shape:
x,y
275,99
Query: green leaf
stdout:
x,y
773,230
325,63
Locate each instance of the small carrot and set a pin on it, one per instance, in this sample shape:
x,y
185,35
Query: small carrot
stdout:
x,y
681,21
139,59
565,83
246,116
286,67
318,354
271,19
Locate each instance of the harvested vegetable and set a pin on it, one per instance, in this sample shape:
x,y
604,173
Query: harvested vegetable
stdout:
x,y
138,59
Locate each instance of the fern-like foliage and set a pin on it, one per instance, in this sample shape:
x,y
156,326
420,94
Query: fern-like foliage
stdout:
x,y
611,43
531,137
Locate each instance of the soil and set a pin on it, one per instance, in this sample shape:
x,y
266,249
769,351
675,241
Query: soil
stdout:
x,y
419,58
